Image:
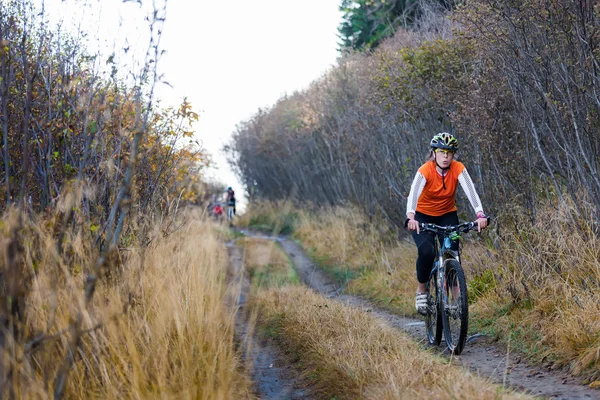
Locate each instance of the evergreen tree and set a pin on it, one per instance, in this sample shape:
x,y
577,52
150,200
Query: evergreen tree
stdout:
x,y
367,22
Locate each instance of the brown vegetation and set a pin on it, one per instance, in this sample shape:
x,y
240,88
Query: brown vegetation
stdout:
x,y
334,343
538,292
266,263
156,327
541,293
339,344
515,80
93,172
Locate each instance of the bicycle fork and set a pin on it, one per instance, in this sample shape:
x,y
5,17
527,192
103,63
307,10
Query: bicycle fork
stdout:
x,y
442,286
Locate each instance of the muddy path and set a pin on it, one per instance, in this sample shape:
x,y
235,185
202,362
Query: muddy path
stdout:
x,y
490,360
273,376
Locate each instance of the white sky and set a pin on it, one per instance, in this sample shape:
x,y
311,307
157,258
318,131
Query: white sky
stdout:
x,y
227,57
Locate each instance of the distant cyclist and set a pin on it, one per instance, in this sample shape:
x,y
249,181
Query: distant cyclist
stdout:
x,y
218,211
432,200
230,202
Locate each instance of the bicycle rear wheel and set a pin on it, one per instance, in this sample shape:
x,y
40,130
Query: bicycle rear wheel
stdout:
x,y
433,319
455,307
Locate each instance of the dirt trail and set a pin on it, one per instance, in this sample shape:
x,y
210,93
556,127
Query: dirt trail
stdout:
x,y
487,359
273,377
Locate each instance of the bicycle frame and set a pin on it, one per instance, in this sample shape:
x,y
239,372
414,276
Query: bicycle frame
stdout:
x,y
439,268
447,235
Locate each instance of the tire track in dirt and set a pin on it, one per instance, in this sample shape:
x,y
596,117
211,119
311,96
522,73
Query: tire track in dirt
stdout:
x,y
273,377
487,359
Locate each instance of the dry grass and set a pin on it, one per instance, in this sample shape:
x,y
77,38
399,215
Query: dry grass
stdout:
x,y
540,292
276,218
356,242
267,264
334,343
348,354
261,252
344,243
158,327
545,293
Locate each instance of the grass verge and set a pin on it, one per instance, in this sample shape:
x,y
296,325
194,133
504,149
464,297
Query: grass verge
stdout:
x,y
330,342
274,218
267,264
540,292
158,326
366,359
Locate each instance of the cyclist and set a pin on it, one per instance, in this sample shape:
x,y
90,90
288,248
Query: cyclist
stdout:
x,y
231,199
432,200
218,211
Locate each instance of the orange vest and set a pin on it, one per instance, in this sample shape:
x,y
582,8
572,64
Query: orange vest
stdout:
x,y
435,200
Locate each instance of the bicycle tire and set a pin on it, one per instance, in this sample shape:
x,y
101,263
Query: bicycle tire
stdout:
x,y
433,319
455,316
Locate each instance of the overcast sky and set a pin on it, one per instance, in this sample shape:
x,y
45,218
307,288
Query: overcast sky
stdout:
x,y
227,57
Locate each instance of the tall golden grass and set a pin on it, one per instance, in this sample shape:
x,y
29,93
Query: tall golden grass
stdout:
x,y
545,290
266,263
541,291
343,240
346,353
158,326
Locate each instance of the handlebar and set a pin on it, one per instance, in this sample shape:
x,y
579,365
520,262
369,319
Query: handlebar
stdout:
x,y
460,228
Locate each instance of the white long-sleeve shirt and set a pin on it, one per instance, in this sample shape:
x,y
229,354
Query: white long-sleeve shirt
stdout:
x,y
439,190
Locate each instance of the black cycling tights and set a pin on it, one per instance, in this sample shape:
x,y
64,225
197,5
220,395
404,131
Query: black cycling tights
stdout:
x,y
425,242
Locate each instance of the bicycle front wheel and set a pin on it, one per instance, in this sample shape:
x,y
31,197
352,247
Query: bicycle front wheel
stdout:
x,y
455,314
433,319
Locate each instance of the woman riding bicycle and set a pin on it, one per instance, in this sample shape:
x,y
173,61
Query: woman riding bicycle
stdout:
x,y
432,200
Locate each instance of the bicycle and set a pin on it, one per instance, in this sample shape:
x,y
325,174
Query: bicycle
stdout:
x,y
450,289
